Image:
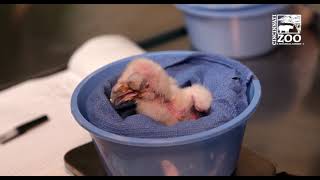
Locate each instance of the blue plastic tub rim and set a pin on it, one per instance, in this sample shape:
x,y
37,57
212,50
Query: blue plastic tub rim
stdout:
x,y
223,7
163,142
240,12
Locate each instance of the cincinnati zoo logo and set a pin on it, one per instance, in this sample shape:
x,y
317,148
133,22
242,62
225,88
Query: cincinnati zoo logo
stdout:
x,y
286,29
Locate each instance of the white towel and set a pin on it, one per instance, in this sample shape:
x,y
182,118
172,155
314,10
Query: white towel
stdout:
x,y
41,151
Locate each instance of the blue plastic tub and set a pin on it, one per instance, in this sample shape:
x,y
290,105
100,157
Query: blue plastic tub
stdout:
x,y
238,31
212,152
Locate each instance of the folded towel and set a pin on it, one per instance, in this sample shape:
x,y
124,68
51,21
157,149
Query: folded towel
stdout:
x,y
44,148
225,78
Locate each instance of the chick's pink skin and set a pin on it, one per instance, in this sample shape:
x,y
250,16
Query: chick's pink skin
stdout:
x,y
158,96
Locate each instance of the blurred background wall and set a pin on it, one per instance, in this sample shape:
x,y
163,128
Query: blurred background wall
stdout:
x,y
37,40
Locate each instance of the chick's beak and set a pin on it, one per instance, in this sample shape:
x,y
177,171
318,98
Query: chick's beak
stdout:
x,y
121,93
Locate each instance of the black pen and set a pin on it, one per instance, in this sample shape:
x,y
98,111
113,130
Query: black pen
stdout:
x,y
22,129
